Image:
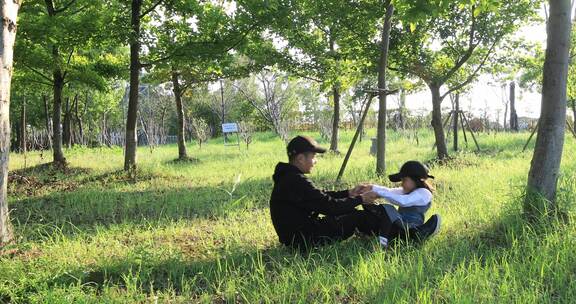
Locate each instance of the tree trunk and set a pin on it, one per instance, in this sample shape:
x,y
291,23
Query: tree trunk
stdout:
x,y
513,116
79,122
455,125
335,120
545,166
223,108
15,143
9,10
161,133
58,86
403,110
382,94
47,116
336,100
104,132
505,116
441,149
222,103
132,116
88,117
67,125
574,114
23,127
182,153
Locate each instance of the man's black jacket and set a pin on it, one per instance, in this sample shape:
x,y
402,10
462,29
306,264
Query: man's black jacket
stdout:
x,y
295,204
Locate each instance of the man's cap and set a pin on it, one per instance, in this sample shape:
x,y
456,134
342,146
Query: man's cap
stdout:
x,y
303,144
411,168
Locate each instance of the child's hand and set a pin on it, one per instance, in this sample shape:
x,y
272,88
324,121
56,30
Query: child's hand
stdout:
x,y
369,197
358,190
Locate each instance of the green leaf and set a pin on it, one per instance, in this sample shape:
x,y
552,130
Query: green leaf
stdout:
x,y
477,11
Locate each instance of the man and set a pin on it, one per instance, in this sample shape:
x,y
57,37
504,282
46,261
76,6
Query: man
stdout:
x,y
296,204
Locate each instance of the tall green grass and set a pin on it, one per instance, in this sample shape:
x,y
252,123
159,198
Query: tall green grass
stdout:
x,y
200,231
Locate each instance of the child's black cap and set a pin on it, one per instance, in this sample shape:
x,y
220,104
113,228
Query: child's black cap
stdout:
x,y
303,144
411,168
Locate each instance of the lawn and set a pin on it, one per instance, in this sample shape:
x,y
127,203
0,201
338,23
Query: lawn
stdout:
x,y
181,232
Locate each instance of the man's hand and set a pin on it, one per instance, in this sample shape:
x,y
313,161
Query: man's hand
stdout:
x,y
358,190
369,197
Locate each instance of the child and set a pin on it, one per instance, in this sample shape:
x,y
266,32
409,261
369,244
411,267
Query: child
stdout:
x,y
413,199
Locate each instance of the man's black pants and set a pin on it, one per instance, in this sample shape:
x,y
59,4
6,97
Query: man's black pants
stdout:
x,y
338,228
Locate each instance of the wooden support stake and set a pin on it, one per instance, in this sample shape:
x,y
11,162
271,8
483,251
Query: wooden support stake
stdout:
x,y
463,129
358,130
471,132
532,134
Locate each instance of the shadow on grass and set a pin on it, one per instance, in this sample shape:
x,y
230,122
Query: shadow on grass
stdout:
x,y
101,203
241,271
151,272
499,244
45,178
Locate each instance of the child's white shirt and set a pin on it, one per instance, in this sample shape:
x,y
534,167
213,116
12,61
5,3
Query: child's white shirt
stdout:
x,y
396,196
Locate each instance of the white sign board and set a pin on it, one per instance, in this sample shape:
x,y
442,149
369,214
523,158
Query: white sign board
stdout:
x,y
230,127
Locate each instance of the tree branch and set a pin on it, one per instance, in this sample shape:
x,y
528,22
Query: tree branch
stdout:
x,y
175,52
467,54
78,10
255,105
146,12
65,7
38,72
474,74
50,7
70,57
416,70
305,77
40,82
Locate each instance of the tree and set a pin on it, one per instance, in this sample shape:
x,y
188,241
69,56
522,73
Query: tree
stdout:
x,y
273,100
221,102
382,93
450,45
136,15
513,115
61,44
201,130
321,45
545,165
9,10
211,46
26,111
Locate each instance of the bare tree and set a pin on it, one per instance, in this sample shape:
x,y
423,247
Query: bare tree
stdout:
x,y
325,127
155,102
273,101
513,115
48,120
23,134
222,100
67,123
505,102
201,130
246,129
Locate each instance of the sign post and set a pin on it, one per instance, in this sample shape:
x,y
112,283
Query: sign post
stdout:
x,y
228,128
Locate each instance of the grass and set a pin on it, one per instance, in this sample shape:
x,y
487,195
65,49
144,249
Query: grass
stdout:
x,y
182,232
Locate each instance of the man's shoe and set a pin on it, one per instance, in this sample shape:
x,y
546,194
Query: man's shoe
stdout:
x,y
428,229
383,242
